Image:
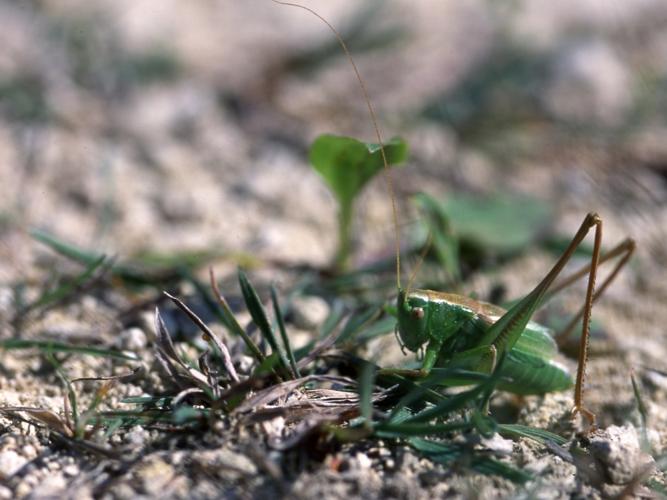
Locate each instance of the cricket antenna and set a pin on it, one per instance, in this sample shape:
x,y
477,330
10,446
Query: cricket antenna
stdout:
x,y
371,111
420,261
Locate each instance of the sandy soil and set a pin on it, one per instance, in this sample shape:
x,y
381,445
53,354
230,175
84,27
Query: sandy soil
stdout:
x,y
128,127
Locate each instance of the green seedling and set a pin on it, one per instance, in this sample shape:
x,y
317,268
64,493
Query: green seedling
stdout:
x,y
455,331
346,165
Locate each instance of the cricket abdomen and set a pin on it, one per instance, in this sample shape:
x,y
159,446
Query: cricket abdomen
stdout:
x,y
530,374
530,367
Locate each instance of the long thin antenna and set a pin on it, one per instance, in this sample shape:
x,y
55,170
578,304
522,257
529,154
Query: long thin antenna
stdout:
x,y
371,111
422,256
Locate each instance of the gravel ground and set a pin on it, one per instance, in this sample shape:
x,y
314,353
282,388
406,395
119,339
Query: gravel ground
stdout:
x,y
130,127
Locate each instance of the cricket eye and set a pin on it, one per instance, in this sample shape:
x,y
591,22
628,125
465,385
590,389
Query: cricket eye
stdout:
x,y
417,312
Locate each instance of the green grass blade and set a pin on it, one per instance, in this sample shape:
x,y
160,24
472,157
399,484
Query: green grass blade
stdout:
x,y
377,329
233,325
356,322
65,249
334,318
259,317
449,405
643,413
437,377
539,435
366,379
129,274
487,465
53,346
283,333
53,296
154,401
445,454
403,430
71,395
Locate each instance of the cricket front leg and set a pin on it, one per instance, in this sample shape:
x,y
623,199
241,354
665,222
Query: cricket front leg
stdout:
x,y
430,357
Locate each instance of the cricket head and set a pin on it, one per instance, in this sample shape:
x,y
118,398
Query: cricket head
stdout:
x,y
413,319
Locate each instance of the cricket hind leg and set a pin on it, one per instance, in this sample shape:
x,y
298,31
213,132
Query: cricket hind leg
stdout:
x,y
591,221
505,332
624,250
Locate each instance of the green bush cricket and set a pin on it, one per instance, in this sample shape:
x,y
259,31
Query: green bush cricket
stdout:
x,y
457,331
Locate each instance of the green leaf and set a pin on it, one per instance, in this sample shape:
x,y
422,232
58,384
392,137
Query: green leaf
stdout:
x,y
502,224
347,164
445,242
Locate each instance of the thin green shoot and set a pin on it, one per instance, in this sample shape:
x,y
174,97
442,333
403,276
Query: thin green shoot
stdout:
x,y
232,324
365,385
71,394
52,346
60,293
346,165
283,333
259,317
643,413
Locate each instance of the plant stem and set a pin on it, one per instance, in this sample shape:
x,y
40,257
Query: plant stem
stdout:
x,y
342,261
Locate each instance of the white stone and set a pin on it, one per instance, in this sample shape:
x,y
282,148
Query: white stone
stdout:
x,y
10,463
617,450
133,339
309,312
592,84
5,493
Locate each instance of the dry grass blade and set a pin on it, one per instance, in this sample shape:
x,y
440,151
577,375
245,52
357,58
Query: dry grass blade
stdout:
x,y
185,393
87,446
209,336
320,348
51,419
282,390
170,360
123,377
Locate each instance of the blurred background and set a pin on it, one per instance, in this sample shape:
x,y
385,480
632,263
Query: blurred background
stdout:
x,y
164,126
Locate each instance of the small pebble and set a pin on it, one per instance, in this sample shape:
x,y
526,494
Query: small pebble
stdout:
x,y
23,489
616,450
133,339
309,312
498,444
10,463
71,470
5,493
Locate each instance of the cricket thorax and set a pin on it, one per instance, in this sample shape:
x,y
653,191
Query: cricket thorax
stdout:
x,y
425,315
